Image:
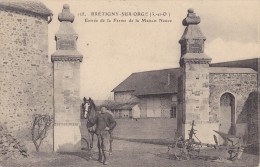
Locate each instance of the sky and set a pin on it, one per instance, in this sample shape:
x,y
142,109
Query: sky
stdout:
x,y
112,51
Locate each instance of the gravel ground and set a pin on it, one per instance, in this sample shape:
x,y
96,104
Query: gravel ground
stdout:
x,y
125,154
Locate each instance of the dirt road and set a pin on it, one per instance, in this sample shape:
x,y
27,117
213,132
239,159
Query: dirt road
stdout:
x,y
125,154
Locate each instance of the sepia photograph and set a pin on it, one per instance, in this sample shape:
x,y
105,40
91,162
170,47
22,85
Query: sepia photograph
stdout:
x,y
127,83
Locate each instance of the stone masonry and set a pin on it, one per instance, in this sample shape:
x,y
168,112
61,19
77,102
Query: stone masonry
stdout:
x,y
195,66
30,84
239,84
66,59
195,79
125,97
26,75
161,104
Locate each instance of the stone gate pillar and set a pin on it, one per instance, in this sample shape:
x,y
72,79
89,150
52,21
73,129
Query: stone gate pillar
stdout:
x,y
66,60
194,84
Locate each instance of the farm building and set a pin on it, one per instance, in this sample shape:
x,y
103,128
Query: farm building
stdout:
x,y
125,110
156,97
220,96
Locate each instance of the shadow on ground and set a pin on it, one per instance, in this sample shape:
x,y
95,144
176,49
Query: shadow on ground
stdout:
x,y
148,141
86,155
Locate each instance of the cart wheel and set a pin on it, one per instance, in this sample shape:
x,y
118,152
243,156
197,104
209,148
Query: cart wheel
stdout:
x,y
194,150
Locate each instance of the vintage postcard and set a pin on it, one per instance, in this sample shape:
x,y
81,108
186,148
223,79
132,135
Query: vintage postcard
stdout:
x,y
129,83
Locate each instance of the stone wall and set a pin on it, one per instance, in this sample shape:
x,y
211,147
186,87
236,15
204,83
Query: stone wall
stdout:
x,y
67,106
156,103
66,91
181,107
166,106
240,85
252,119
26,75
196,92
125,97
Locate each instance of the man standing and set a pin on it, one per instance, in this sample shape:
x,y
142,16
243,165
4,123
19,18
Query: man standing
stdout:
x,y
105,125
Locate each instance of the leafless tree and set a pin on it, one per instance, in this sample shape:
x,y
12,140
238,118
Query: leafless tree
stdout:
x,y
41,124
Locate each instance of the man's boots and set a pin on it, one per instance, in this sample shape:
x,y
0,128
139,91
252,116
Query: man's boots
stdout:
x,y
100,157
106,157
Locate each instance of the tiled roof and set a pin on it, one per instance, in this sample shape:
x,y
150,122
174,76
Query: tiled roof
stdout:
x,y
248,63
26,6
151,82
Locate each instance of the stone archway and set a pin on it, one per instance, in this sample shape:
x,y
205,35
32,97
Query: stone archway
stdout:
x,y
227,114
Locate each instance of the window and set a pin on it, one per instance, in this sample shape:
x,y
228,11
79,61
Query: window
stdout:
x,y
173,112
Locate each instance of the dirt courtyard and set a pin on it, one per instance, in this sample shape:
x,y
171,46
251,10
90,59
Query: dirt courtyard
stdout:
x,y
135,150
125,154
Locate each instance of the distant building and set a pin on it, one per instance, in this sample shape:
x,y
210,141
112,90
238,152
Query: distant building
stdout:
x,y
126,110
154,91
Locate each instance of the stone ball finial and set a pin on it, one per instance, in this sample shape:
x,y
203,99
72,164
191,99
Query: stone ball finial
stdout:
x,y
191,18
190,10
66,6
65,15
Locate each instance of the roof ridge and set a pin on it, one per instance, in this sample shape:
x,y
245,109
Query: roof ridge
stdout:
x,y
233,67
235,60
155,70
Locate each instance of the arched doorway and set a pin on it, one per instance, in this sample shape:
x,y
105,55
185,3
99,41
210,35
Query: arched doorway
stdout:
x,y
227,115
